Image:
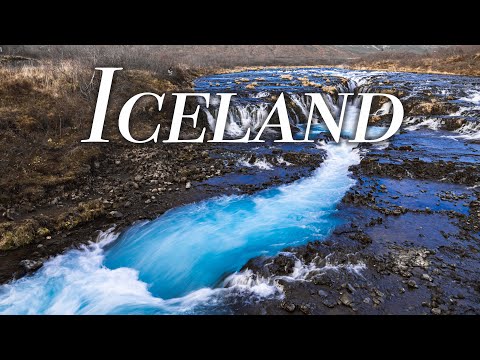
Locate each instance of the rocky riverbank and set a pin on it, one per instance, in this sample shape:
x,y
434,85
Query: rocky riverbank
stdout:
x,y
135,183
393,255
410,237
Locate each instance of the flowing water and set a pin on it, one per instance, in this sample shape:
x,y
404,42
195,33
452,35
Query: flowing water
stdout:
x,y
189,260
173,264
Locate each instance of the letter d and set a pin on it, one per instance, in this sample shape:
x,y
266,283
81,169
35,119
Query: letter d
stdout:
x,y
362,124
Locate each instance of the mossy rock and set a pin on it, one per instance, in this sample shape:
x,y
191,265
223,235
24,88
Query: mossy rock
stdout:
x,y
13,235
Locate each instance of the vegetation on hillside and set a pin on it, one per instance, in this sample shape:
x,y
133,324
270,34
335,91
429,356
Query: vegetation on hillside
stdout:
x,y
461,60
46,108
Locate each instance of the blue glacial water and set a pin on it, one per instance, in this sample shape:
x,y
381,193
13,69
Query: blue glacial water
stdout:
x,y
178,263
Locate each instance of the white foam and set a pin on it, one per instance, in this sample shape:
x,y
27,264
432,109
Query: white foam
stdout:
x,y
385,109
468,131
240,118
260,163
472,97
260,95
248,281
430,123
282,161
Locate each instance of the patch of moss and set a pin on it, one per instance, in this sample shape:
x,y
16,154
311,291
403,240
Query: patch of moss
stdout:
x,y
84,212
43,231
13,235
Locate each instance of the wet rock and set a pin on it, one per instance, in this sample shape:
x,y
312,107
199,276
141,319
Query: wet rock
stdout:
x,y
31,265
306,308
412,284
330,303
361,237
350,288
448,171
323,279
436,311
288,306
282,265
427,277
346,299
433,107
322,293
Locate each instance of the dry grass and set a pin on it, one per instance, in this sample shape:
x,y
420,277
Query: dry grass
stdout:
x,y
53,78
46,108
43,108
456,60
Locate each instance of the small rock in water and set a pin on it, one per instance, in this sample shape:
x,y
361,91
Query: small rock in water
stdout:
x,y
426,277
330,303
346,299
322,293
188,185
412,284
436,311
306,309
31,265
350,288
288,306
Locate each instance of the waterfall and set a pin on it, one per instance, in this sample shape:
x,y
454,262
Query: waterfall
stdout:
x,y
252,115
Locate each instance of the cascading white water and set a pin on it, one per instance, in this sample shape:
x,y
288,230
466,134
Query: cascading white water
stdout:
x,y
247,114
240,117
469,131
